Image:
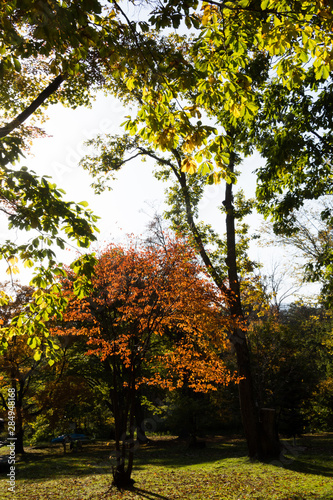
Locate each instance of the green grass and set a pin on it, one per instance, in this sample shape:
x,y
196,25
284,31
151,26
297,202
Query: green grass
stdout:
x,y
167,469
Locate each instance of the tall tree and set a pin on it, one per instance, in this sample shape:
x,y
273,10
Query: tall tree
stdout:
x,y
152,317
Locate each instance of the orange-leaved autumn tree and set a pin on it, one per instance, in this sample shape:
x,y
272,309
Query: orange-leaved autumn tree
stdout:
x,y
153,317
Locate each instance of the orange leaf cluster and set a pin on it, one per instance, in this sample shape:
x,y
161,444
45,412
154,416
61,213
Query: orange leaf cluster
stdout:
x,y
156,311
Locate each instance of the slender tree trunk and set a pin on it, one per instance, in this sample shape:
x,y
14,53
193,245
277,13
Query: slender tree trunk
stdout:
x,y
131,444
262,440
119,473
19,448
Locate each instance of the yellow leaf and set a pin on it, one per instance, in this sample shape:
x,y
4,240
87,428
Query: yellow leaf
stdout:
x,y
12,260
188,146
189,165
130,83
37,355
214,178
236,110
206,15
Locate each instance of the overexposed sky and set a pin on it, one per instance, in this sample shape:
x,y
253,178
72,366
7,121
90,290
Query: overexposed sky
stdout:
x,y
59,155
135,188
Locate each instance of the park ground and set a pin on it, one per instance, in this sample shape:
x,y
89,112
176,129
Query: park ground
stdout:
x,y
168,469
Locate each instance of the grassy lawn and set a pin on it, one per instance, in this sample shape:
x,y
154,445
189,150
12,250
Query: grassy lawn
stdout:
x,y
167,469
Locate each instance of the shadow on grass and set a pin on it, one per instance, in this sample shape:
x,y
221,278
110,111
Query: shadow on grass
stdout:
x,y
146,494
50,463
174,453
310,468
313,455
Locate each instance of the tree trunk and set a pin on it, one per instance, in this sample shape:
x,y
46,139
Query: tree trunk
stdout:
x,y
121,477
262,440
248,408
270,443
139,421
131,413
123,403
19,432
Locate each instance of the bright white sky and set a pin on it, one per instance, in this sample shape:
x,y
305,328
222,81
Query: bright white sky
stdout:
x,y
122,209
128,207
59,155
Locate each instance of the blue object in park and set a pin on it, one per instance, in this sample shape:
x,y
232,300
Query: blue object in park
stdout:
x,y
73,437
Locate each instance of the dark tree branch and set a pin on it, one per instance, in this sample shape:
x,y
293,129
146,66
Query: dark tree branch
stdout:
x,y
45,94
